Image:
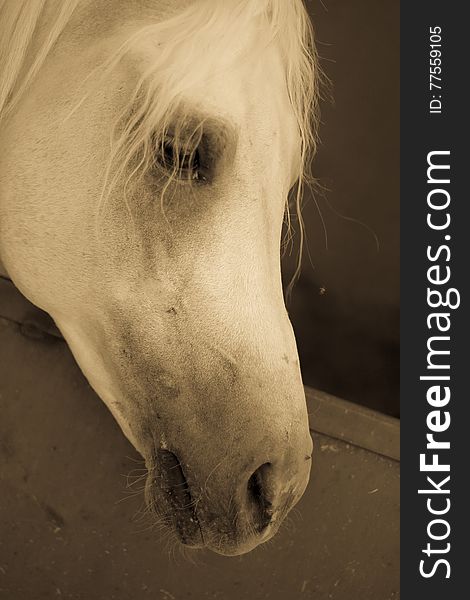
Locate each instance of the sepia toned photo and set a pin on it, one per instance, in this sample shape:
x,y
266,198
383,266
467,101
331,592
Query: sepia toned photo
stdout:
x,y
199,299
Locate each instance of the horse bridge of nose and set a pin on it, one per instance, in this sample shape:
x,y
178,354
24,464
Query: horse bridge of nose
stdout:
x,y
62,522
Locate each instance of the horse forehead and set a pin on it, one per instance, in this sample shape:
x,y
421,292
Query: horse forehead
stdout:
x,y
253,88
250,90
253,84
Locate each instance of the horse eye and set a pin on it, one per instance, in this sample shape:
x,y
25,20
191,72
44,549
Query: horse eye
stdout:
x,y
185,163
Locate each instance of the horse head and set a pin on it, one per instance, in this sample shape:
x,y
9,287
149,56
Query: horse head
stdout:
x,y
146,162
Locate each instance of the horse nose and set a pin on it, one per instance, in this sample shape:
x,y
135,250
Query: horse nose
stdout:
x,y
230,510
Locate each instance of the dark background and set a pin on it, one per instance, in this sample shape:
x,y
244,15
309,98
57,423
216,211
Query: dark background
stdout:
x,y
348,333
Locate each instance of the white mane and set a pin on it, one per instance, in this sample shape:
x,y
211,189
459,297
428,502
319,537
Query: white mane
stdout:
x,y
18,22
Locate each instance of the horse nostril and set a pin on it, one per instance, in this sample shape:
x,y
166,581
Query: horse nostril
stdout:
x,y
260,496
174,481
177,502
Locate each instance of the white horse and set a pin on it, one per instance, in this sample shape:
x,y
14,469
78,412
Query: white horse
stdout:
x,y
147,151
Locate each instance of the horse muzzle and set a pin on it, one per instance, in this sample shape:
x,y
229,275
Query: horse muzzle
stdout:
x,y
228,519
